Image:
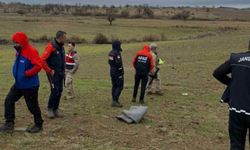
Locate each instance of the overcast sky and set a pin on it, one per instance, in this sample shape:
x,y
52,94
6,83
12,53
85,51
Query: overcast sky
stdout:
x,y
230,3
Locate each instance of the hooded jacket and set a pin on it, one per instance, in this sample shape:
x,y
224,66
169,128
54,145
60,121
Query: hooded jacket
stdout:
x,y
27,64
115,60
143,61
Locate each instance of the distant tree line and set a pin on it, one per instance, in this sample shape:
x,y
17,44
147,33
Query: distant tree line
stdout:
x,y
77,10
112,12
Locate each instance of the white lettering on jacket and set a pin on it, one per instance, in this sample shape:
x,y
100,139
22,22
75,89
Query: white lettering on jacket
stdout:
x,y
242,59
142,59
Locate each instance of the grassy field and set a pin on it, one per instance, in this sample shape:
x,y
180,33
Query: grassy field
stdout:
x,y
174,122
125,29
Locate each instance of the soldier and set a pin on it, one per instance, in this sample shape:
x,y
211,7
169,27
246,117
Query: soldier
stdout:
x,y
72,64
143,64
116,72
156,76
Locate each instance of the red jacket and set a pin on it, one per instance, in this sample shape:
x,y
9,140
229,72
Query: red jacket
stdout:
x,y
145,52
46,54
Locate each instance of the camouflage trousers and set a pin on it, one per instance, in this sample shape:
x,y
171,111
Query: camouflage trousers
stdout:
x,y
69,85
155,86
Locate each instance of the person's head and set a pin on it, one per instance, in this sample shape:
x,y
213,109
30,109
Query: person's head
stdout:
x,y
116,45
71,46
153,47
146,48
61,37
20,40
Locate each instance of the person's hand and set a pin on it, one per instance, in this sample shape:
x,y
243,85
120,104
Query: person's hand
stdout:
x,y
52,73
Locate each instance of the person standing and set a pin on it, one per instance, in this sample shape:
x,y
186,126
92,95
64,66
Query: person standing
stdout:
x,y
25,71
54,64
143,64
116,72
72,64
235,73
156,76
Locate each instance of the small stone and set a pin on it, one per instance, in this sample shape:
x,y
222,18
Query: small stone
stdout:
x,y
163,129
220,135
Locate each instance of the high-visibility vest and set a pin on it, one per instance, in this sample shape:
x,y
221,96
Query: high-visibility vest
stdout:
x,y
161,62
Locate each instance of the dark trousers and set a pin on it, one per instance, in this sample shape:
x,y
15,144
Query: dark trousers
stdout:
x,y
239,124
31,99
144,80
56,84
117,87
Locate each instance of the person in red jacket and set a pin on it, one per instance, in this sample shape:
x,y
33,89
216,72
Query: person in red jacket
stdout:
x,y
143,64
25,71
53,59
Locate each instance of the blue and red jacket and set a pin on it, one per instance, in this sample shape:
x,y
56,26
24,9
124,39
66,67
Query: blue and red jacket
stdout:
x,y
27,64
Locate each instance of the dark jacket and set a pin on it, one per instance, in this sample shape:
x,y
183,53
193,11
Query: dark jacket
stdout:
x,y
143,61
238,91
54,58
115,60
27,64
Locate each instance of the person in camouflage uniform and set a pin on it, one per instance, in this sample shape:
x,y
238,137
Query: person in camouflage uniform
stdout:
x,y
72,63
154,78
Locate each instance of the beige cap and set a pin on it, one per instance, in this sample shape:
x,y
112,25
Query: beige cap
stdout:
x,y
153,46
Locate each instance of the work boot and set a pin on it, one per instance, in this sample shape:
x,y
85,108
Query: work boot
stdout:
x,y
133,100
7,127
35,129
116,104
51,114
58,113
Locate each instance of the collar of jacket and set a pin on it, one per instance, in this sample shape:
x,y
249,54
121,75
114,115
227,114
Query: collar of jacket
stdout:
x,y
56,44
70,51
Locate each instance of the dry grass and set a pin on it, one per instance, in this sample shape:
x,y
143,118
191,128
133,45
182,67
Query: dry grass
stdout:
x,y
174,121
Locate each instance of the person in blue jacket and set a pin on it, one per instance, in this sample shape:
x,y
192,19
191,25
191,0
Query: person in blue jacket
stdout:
x,y
26,67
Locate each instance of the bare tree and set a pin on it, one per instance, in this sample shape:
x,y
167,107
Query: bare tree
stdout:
x,y
21,12
148,12
111,18
125,13
184,15
110,12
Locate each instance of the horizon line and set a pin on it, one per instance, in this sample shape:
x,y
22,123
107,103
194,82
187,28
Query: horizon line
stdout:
x,y
237,6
